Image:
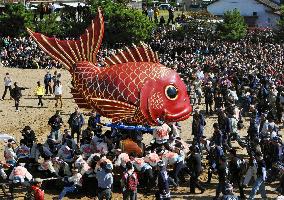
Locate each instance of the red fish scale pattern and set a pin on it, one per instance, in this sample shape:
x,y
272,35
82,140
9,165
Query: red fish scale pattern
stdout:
x,y
120,83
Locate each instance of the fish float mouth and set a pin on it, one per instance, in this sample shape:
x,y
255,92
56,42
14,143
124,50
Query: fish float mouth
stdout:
x,y
179,116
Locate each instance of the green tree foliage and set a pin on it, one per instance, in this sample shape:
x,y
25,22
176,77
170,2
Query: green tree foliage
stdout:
x,y
50,25
14,20
70,26
123,24
233,28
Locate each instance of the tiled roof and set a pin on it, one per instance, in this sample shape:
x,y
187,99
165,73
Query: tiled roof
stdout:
x,y
268,3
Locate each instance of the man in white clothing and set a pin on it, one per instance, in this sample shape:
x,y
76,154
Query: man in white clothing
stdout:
x,y
8,85
19,176
76,179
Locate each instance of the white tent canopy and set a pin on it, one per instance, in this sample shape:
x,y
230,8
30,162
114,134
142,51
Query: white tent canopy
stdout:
x,y
5,137
57,6
75,4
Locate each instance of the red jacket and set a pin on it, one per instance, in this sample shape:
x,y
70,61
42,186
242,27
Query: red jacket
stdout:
x,y
39,193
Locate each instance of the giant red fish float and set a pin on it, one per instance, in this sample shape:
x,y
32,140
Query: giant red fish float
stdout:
x,y
132,87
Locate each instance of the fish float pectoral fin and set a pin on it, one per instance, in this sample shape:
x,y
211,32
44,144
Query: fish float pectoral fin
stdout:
x,y
69,52
114,109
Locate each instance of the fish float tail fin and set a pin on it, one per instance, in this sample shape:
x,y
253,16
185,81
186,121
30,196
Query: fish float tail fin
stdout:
x,y
69,52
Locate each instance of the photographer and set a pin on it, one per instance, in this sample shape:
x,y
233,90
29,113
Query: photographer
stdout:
x,y
28,136
55,122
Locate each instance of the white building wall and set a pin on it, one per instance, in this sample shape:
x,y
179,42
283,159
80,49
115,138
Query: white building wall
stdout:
x,y
246,8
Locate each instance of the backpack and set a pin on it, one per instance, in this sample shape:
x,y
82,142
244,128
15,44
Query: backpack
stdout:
x,y
131,182
30,195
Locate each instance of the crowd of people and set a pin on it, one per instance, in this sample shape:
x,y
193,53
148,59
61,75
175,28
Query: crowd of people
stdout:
x,y
236,81
23,52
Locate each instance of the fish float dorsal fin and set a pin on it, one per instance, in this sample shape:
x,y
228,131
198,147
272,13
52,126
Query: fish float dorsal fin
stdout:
x,y
142,53
69,52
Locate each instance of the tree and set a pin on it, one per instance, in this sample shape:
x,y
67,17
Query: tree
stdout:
x,y
14,20
233,28
123,24
49,25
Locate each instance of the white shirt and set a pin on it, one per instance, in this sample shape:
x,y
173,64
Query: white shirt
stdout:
x,y
122,159
58,90
161,133
9,154
7,81
65,153
20,172
76,179
47,165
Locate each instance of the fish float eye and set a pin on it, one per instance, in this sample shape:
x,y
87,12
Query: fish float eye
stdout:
x,y
171,92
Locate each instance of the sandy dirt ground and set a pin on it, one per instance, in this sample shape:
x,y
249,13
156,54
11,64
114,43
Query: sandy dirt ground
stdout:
x,y
30,114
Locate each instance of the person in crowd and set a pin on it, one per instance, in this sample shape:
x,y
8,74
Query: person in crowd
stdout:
x,y
94,120
55,122
105,181
198,125
251,171
259,183
9,153
156,14
66,151
194,161
150,13
8,85
162,21
56,77
74,182
229,195
19,176
58,90
76,121
28,136
22,152
145,170
236,166
221,167
16,94
217,138
39,150
39,92
161,135
46,168
163,192
171,15
36,187
209,95
47,83
129,183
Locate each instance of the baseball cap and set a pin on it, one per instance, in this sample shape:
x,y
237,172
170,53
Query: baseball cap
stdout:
x,y
38,180
109,166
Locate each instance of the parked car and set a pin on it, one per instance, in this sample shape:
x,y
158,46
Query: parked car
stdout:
x,y
164,6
